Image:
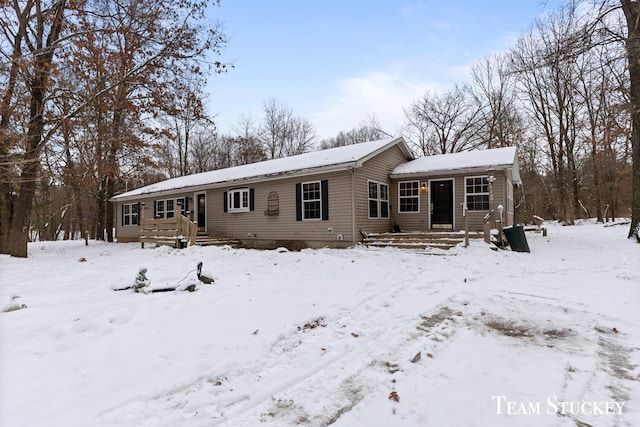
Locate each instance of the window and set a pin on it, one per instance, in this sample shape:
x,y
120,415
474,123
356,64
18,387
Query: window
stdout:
x,y
409,196
169,208
477,193
183,203
166,208
311,200
130,214
238,200
384,201
159,209
373,199
378,200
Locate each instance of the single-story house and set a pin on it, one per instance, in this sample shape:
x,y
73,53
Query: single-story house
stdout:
x,y
330,197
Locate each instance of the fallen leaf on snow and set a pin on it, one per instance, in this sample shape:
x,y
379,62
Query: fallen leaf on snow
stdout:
x,y
394,396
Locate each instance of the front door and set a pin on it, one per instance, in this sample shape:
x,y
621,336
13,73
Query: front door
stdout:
x,y
442,204
201,212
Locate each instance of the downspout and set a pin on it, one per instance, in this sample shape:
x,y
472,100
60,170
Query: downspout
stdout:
x,y
353,205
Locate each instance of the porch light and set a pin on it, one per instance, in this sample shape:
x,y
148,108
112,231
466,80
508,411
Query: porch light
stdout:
x,y
423,186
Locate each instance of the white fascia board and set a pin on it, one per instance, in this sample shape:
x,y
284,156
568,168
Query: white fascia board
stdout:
x,y
239,182
474,170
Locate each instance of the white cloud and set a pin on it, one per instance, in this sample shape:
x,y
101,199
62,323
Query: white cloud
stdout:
x,y
380,94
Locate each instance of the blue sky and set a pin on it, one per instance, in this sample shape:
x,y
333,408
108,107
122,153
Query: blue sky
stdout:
x,y
340,62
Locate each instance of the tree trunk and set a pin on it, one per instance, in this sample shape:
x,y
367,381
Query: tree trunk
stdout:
x,y
596,177
18,233
632,13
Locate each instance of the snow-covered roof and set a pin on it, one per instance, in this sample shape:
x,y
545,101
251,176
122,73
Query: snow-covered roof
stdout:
x,y
318,161
495,158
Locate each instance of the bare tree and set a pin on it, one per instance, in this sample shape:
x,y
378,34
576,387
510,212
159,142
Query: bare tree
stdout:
x,y
451,120
416,131
353,136
282,133
494,91
299,136
184,114
631,11
125,53
36,27
544,60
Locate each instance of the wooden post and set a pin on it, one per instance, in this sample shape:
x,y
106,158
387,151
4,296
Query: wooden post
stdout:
x,y
193,231
487,228
466,225
141,222
179,226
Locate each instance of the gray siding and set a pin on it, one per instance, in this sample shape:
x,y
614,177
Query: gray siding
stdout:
x,y
255,226
419,221
376,169
348,207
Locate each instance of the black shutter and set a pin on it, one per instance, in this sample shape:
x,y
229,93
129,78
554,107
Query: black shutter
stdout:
x,y
155,205
139,213
324,188
252,196
298,202
224,203
122,208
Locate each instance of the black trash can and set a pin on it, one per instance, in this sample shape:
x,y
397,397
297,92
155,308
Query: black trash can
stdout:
x,y
516,238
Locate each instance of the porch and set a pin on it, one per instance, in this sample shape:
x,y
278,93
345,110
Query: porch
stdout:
x,y
177,232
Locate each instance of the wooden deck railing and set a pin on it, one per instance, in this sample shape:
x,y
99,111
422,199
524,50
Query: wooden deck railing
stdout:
x,y
177,231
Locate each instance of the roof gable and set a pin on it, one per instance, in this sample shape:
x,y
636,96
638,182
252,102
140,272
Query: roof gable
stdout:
x,y
317,161
495,158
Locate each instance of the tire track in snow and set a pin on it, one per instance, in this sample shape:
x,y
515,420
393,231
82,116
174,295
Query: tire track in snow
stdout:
x,y
331,367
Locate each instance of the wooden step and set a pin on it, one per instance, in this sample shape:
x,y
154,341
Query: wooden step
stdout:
x,y
161,241
417,240
216,241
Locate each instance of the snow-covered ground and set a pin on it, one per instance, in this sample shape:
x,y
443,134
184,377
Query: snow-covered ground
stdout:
x,y
353,337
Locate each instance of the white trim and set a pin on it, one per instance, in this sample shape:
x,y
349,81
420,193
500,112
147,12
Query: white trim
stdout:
x,y
418,196
302,200
243,191
265,177
131,215
156,211
510,195
378,199
453,201
165,207
172,210
488,194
